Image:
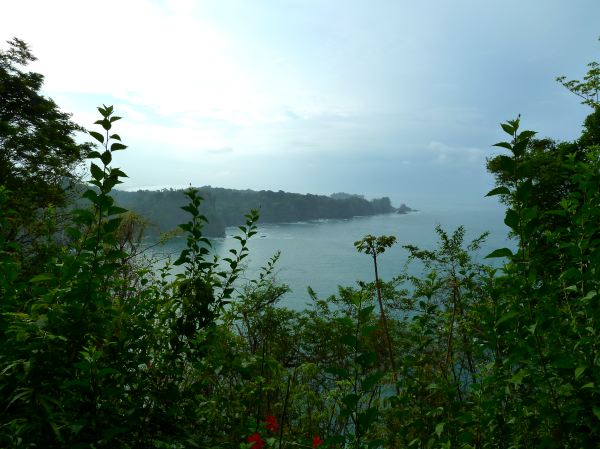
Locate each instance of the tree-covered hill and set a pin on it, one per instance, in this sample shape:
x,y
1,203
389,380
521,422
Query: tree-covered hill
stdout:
x,y
226,207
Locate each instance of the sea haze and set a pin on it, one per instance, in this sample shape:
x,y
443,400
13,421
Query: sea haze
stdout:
x,y
321,254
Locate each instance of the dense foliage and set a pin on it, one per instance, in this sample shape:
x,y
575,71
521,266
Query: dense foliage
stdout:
x,y
98,350
38,153
226,207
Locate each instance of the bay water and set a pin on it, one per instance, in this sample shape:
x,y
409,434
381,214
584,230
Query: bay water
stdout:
x,y
321,254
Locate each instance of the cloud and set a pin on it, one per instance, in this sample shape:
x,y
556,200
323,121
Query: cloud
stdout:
x,y
166,56
159,57
223,150
443,154
278,81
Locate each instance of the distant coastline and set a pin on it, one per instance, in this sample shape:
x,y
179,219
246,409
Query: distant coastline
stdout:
x,y
404,209
227,207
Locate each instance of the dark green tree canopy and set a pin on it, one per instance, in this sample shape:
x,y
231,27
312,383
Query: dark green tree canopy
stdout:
x,y
546,159
37,147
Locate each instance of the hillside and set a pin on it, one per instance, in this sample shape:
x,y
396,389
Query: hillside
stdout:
x,y
227,207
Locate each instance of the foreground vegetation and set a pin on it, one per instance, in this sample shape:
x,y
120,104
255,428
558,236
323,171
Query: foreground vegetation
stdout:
x,y
97,350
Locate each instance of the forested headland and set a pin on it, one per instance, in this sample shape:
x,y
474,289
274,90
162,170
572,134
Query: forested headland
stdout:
x,y
227,207
101,347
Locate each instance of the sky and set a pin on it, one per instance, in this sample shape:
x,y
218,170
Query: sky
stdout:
x,y
380,97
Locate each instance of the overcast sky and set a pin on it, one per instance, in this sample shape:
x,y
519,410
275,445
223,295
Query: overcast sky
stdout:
x,y
395,97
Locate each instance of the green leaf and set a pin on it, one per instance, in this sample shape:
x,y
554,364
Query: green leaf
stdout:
x,y
107,371
76,428
56,430
367,417
365,312
96,135
103,201
499,191
105,124
109,183
41,278
506,145
112,225
506,317
338,372
349,340
527,134
367,359
114,210
73,233
590,295
190,209
517,378
350,400
512,219
367,331
506,163
117,147
106,157
90,195
118,172
579,371
83,215
523,192
502,252
508,129
439,429
370,381
596,411
95,183
97,172
520,147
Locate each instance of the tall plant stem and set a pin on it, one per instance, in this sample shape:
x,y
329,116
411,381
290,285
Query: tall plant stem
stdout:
x,y
385,325
285,405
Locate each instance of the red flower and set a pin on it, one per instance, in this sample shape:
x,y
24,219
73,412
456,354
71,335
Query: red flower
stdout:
x,y
317,441
271,423
257,440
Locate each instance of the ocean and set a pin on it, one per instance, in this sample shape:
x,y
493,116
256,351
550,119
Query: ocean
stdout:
x,y
321,254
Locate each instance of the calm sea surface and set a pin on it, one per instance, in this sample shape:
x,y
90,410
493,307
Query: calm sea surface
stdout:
x,y
321,254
